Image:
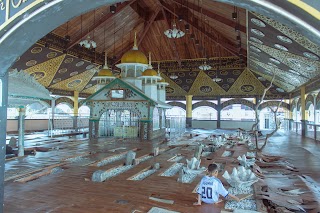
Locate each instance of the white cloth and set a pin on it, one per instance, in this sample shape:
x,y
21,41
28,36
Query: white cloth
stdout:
x,y
210,188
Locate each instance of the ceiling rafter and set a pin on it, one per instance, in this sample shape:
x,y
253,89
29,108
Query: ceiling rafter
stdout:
x,y
220,39
210,14
140,38
120,7
142,11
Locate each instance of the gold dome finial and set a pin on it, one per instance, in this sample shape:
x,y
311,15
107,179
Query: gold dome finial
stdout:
x,y
105,71
135,46
158,68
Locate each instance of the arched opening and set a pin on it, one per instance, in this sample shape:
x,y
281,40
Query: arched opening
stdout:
x,y
294,114
204,113
317,114
267,117
37,110
237,112
61,121
63,109
310,112
175,121
84,111
298,114
175,112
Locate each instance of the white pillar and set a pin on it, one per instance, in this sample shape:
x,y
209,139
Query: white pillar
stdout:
x,y
21,131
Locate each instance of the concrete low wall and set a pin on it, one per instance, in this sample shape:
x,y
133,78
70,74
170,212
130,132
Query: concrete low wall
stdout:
x,y
158,133
30,125
237,124
204,124
212,124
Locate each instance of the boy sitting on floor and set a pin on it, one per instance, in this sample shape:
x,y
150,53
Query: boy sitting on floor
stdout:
x,y
211,187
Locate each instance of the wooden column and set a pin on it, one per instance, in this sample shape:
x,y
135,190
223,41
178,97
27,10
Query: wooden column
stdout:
x,y
3,130
303,110
189,111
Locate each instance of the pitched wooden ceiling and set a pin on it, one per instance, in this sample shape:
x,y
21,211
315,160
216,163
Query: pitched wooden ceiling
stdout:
x,y
59,63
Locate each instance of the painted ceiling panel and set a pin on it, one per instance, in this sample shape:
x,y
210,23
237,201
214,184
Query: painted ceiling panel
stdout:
x,y
76,82
36,54
45,71
71,66
205,86
273,47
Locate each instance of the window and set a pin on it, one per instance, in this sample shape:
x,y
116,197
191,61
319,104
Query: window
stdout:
x,y
117,93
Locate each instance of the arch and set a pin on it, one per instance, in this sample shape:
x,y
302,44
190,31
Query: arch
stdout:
x,y
178,104
176,111
15,33
82,103
299,104
204,113
293,104
238,101
65,100
309,100
46,102
318,101
204,103
274,103
84,110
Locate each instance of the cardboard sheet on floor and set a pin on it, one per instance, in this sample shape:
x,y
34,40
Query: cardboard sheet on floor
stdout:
x,y
160,210
162,200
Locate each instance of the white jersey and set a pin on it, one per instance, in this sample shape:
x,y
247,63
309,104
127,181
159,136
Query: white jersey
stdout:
x,y
210,188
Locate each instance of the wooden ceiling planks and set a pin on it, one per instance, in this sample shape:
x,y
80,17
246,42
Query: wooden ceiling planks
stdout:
x,y
121,26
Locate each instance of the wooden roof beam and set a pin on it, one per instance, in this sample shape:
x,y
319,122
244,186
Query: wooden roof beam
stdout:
x,y
103,19
219,39
140,38
210,14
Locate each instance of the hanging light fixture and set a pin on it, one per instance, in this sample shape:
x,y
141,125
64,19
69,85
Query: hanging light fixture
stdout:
x,y
174,32
217,79
88,42
113,9
173,76
205,66
234,14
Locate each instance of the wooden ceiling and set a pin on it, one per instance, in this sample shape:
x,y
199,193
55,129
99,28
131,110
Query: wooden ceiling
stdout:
x,y
114,33
62,65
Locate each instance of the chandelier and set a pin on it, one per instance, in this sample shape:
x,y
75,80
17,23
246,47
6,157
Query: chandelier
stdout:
x,y
88,43
174,32
205,66
217,79
173,76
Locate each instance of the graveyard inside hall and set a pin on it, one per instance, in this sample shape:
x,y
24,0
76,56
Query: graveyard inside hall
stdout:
x,y
111,174
160,106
